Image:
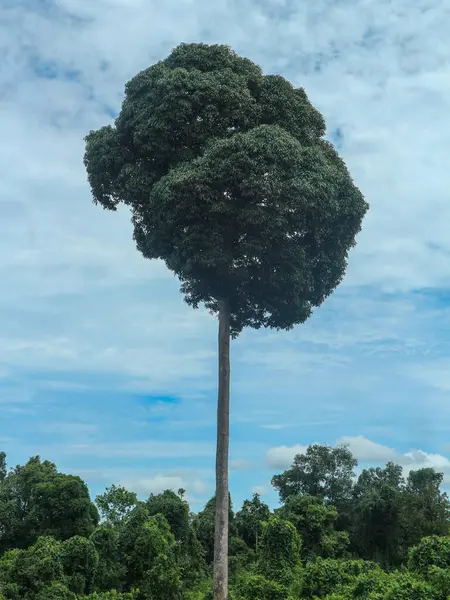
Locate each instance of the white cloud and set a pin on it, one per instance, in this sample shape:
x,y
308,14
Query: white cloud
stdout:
x,y
369,453
418,459
62,244
434,373
240,464
259,489
162,481
281,457
81,311
144,449
366,450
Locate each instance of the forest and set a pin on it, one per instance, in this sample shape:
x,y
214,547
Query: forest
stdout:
x,y
340,533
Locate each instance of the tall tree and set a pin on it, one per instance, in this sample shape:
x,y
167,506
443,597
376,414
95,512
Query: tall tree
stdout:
x,y
315,523
231,183
115,503
426,509
3,467
321,471
376,531
249,520
36,500
279,551
176,511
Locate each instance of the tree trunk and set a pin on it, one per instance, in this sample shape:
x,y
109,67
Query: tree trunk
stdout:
x,y
223,441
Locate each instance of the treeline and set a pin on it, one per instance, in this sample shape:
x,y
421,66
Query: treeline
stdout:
x,y
380,536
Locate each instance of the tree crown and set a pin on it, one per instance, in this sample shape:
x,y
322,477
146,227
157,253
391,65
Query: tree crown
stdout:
x,y
231,183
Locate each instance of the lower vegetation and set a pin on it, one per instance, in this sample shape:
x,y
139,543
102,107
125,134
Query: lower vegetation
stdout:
x,y
380,535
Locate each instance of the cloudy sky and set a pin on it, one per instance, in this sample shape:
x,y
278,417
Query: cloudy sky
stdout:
x,y
104,369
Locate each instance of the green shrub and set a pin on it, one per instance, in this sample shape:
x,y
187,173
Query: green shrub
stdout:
x,y
113,595
279,551
257,587
378,585
56,591
431,551
326,576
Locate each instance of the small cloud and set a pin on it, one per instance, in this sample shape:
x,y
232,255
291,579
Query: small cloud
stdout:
x,y
161,482
435,374
259,489
366,450
148,449
66,428
239,464
281,457
418,459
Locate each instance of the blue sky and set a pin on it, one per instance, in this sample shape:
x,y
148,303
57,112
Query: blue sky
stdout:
x,y
104,369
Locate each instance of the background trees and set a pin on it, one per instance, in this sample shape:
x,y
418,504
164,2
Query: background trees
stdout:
x,y
396,545
36,500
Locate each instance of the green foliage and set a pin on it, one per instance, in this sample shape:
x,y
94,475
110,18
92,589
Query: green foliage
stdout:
x,y
231,184
321,471
231,223
163,580
426,509
249,520
391,514
257,587
279,551
3,468
191,559
174,509
432,551
439,579
114,595
377,513
405,586
27,572
148,548
56,591
240,556
383,586
137,557
80,560
36,500
315,522
324,576
110,569
131,534
115,503
204,524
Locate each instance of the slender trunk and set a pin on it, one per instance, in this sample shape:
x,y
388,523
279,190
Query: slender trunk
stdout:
x,y
223,441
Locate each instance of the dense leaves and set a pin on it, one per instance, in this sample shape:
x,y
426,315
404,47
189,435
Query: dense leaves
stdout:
x,y
396,546
174,509
36,500
115,503
231,183
321,471
249,520
315,521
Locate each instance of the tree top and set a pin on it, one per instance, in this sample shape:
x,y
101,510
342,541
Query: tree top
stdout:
x,y
231,183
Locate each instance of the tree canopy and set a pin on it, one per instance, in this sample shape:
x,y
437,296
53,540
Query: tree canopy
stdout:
x,y
36,500
396,545
231,183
